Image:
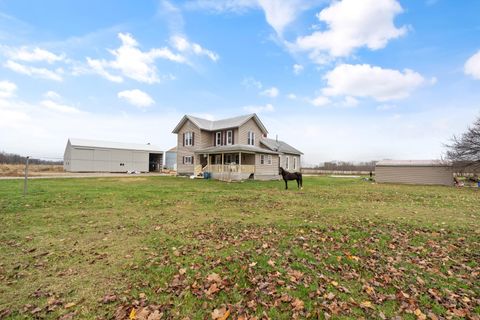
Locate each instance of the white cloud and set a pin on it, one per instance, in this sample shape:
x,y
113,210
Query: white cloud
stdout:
x,y
363,80
352,24
183,45
320,101
98,66
270,92
349,102
34,71
297,69
292,96
137,98
472,66
281,13
250,82
278,13
259,109
7,89
32,55
55,106
52,95
133,63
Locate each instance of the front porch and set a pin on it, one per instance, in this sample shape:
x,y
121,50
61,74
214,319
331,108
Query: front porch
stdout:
x,y
226,166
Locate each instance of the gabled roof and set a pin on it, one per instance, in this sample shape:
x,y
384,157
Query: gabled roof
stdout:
x,y
413,163
235,148
210,125
87,143
280,146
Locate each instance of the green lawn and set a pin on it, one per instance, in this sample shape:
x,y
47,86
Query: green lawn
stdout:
x,y
179,248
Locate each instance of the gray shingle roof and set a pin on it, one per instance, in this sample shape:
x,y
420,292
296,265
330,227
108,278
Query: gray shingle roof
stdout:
x,y
88,143
213,125
235,148
280,146
413,163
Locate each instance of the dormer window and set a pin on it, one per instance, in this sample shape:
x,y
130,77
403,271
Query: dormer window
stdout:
x,y
188,138
229,137
218,138
251,138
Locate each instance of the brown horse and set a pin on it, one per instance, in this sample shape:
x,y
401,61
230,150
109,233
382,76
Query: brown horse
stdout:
x,y
291,176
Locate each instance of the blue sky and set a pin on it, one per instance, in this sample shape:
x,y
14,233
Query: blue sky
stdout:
x,y
341,80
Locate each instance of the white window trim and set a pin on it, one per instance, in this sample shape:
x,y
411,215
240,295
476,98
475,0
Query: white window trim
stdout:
x,y
269,159
294,163
229,137
218,137
188,138
287,163
262,159
188,160
251,138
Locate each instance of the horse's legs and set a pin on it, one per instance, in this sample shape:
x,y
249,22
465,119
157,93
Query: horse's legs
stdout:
x,y
286,184
298,183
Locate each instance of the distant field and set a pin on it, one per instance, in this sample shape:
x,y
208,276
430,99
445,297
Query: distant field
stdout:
x,y
16,170
174,248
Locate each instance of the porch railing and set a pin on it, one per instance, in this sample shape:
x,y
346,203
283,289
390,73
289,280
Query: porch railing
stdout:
x,y
216,168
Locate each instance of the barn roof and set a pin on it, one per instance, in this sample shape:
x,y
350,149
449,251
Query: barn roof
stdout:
x,y
88,143
413,163
280,146
213,125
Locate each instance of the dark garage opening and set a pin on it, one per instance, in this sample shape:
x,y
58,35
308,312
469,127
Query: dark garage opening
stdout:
x,y
155,162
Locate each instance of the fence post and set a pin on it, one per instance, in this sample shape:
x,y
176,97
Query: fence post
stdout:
x,y
26,177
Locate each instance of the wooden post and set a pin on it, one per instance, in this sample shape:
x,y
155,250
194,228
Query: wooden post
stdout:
x,y
26,177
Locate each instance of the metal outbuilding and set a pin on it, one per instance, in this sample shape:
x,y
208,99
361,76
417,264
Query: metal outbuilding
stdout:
x,y
84,155
433,172
171,159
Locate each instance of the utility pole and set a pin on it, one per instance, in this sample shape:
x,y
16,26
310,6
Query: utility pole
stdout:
x,y
26,177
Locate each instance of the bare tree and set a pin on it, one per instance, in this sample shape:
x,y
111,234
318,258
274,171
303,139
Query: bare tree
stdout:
x,y
464,150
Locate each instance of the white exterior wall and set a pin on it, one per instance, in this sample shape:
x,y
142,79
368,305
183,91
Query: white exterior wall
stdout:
x,y
83,159
283,161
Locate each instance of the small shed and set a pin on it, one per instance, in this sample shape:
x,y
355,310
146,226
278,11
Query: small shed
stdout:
x,y
85,155
171,159
427,172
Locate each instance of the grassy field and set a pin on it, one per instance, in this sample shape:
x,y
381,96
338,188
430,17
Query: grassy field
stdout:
x,y
173,248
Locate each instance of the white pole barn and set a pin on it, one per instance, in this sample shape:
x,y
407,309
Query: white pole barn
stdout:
x,y
83,155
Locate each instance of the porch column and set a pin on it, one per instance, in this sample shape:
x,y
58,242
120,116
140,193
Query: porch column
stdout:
x,y
240,162
223,161
208,161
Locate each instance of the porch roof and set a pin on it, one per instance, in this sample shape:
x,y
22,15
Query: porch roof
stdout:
x,y
235,148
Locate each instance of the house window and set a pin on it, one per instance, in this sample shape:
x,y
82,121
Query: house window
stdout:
x,y
262,159
188,160
251,138
287,162
269,159
188,139
294,163
218,138
229,137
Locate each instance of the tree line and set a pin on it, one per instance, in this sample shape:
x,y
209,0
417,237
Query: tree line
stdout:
x,y
12,158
